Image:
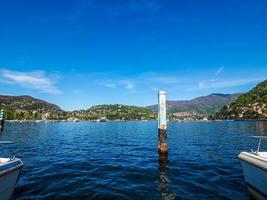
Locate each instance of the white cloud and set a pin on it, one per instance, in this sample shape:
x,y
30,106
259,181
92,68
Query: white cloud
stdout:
x,y
35,80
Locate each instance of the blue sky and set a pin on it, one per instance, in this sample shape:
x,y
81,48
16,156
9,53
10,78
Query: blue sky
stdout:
x,y
82,53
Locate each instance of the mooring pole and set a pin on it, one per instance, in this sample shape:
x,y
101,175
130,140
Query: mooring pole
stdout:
x,y
162,123
1,121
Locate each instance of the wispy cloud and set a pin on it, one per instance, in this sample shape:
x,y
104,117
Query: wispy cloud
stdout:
x,y
110,85
147,80
153,5
114,9
227,83
35,80
80,10
76,91
141,5
217,83
217,73
162,79
211,83
127,84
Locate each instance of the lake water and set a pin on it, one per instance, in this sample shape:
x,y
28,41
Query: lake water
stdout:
x,y
119,160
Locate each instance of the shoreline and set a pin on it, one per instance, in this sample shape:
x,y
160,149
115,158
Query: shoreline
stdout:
x,y
97,121
54,121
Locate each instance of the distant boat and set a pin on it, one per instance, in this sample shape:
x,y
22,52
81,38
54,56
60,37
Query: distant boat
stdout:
x,y
103,119
254,166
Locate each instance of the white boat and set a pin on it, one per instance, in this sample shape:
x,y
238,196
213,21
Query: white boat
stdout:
x,y
10,169
254,166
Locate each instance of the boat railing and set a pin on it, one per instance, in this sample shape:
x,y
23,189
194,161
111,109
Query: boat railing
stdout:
x,y
260,138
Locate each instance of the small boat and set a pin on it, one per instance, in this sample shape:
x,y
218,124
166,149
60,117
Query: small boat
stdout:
x,y
10,169
254,166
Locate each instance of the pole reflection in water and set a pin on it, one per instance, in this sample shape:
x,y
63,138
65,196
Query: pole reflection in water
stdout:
x,y
261,127
164,181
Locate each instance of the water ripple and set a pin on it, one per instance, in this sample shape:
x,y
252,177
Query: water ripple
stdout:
x,y
120,160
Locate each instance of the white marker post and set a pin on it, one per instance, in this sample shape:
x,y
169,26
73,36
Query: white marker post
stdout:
x,y
162,123
1,121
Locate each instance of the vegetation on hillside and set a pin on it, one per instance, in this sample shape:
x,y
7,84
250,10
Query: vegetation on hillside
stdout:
x,y
29,108
116,112
251,105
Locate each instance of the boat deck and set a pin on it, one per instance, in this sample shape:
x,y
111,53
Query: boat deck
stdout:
x,y
260,155
7,165
258,159
263,155
4,160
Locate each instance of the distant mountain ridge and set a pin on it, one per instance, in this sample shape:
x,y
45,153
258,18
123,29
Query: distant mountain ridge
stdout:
x,y
251,105
205,105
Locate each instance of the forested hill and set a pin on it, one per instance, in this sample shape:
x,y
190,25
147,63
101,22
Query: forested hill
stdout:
x,y
29,108
251,105
116,112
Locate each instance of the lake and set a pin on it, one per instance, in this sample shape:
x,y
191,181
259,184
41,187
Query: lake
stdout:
x,y
119,160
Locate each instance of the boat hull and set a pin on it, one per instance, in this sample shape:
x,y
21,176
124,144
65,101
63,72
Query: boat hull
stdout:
x,y
8,181
255,175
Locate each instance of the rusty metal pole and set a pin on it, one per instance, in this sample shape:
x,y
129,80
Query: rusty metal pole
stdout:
x,y
162,123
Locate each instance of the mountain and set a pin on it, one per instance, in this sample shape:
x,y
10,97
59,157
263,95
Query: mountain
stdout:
x,y
27,107
205,105
251,105
116,112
